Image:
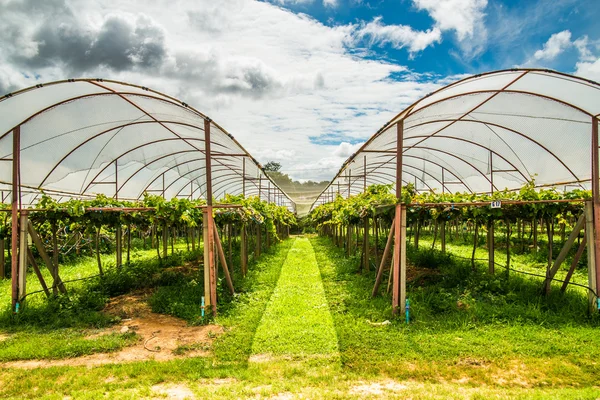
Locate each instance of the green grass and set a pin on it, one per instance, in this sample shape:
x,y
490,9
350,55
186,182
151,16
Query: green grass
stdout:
x,y
61,344
483,341
501,342
242,317
297,320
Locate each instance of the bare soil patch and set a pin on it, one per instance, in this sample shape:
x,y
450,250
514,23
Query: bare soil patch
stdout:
x,y
162,337
171,391
377,388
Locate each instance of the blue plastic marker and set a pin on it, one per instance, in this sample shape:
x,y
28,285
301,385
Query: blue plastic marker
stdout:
x,y
202,306
407,307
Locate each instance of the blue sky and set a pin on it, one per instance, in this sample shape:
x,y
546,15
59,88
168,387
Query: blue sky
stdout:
x,y
515,30
301,82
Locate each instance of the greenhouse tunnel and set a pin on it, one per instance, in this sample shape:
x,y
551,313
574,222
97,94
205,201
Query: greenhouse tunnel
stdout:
x,y
485,134
82,137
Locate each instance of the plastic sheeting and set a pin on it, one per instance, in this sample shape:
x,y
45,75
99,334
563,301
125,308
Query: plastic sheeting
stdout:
x,y
79,138
484,134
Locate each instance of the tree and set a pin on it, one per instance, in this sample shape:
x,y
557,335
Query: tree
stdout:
x,y
272,166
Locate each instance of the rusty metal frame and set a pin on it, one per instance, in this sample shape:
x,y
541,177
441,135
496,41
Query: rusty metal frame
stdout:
x,y
504,88
225,141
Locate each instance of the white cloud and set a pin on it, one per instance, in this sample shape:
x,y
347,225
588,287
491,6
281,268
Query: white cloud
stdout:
x,y
582,45
274,79
464,17
346,149
330,3
589,69
399,36
557,43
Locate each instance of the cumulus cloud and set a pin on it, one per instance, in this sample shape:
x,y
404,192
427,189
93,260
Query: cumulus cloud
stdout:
x,y
346,149
589,69
464,17
120,42
557,43
260,71
398,36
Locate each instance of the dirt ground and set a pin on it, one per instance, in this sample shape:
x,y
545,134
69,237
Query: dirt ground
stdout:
x,y
162,337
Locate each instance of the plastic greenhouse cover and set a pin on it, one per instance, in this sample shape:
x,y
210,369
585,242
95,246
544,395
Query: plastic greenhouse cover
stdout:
x,y
82,137
483,134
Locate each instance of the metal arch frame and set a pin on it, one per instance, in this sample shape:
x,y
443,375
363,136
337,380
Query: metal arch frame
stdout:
x,y
381,172
506,129
147,188
484,101
392,154
450,154
452,121
403,115
110,91
480,146
383,181
73,150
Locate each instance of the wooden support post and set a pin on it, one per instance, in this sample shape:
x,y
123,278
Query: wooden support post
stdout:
x,y
443,235
563,253
57,283
366,243
16,199
2,259
244,250
574,264
396,300
54,245
376,228
490,240
596,199
399,269
221,253
229,249
165,240
23,252
348,239
591,253
37,271
386,254
258,247
119,245
207,297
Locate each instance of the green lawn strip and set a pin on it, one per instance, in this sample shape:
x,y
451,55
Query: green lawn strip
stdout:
x,y
65,343
452,343
241,317
297,320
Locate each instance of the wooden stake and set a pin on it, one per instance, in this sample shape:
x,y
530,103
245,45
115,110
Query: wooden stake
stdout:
x,y
384,258
37,271
57,282
244,250
574,264
219,246
490,239
563,253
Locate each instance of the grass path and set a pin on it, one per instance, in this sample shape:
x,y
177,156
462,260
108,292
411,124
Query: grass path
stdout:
x,y
297,321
